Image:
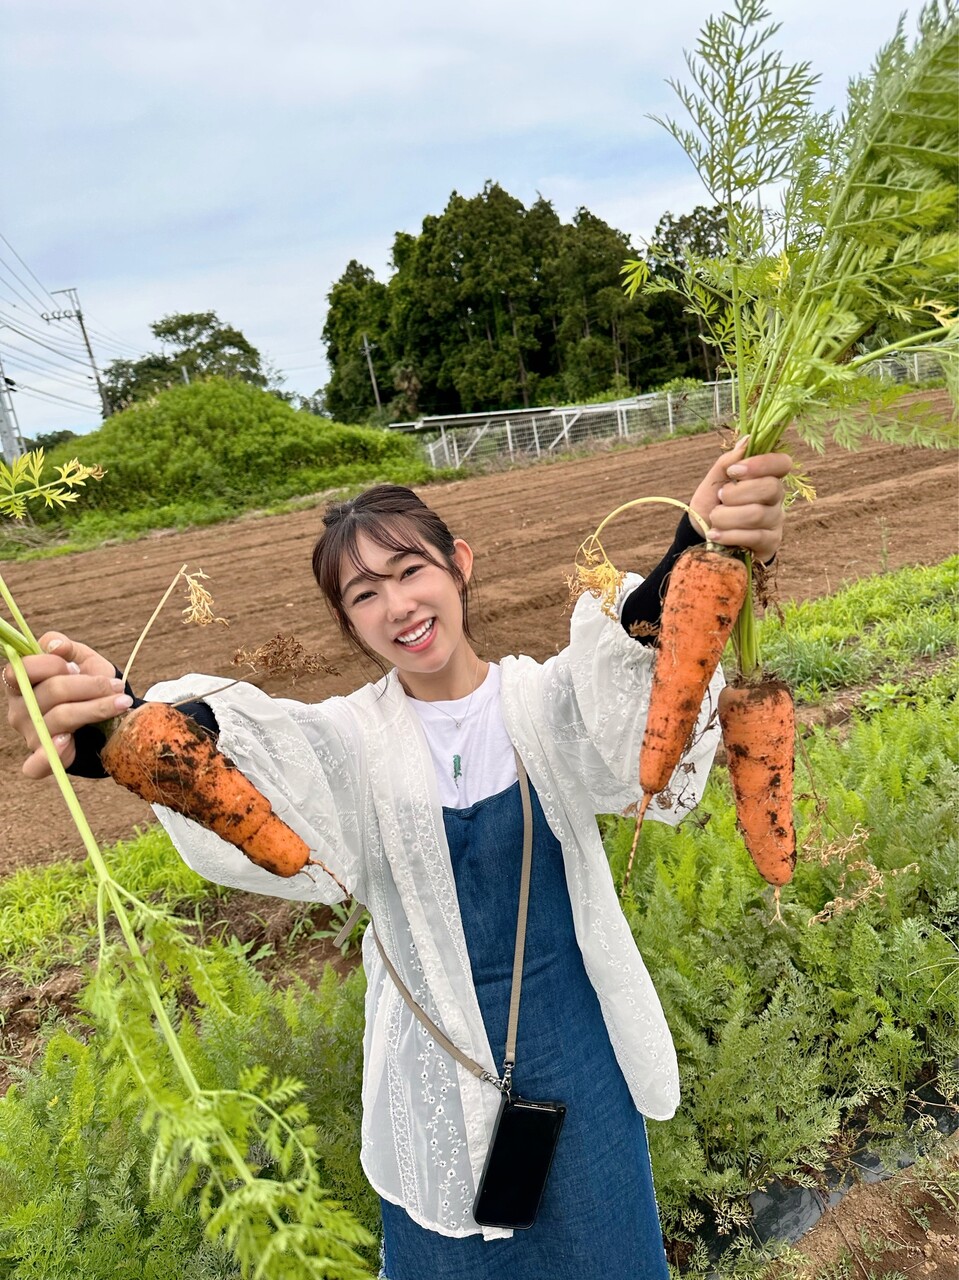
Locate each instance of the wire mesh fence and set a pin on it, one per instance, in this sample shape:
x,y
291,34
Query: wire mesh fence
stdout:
x,y
513,435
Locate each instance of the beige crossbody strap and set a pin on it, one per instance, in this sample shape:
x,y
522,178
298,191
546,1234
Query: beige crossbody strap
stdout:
x,y
472,1066
510,1060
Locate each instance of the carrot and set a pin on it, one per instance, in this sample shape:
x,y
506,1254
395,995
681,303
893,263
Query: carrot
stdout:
x,y
705,594
759,725
165,758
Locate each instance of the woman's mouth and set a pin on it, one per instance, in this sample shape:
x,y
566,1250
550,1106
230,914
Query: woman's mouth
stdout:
x,y
417,637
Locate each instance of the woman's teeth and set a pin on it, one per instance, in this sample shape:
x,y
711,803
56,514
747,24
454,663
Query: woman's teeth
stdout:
x,y
414,637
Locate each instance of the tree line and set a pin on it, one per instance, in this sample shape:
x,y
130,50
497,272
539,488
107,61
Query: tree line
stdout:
x,y
491,306
495,306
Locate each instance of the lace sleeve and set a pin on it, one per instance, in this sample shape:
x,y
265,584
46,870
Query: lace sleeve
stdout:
x,y
306,764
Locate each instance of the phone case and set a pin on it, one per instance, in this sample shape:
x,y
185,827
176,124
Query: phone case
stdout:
x,y
518,1163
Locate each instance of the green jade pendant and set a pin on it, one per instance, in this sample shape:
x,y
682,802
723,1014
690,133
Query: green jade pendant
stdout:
x,y
457,769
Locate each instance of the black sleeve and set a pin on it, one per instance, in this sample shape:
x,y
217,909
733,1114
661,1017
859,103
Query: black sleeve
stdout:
x,y
643,607
89,740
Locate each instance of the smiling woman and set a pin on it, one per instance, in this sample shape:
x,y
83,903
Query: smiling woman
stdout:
x,y
442,795
404,598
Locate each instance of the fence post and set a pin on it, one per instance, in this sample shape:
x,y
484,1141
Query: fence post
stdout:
x,y
456,452
509,437
536,437
915,365
669,410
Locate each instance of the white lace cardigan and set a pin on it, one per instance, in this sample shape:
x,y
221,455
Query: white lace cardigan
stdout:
x,y
354,777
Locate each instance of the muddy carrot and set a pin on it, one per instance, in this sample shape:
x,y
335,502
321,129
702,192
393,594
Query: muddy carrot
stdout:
x,y
705,594
164,757
759,725
706,591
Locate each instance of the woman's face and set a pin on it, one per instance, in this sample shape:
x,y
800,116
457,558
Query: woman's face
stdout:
x,y
410,613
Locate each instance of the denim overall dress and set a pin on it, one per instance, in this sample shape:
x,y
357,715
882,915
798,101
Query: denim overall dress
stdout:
x,y
598,1217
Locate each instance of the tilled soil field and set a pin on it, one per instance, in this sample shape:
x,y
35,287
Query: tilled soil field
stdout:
x,y
880,508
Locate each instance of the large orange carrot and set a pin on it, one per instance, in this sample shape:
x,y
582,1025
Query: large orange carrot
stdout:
x,y
759,727
706,591
165,758
705,594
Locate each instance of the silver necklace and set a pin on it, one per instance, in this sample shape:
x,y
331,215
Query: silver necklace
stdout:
x,y
457,761
466,710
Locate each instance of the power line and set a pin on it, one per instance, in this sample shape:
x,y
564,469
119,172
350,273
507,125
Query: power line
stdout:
x,y
109,338
56,351
11,441
40,364
27,269
27,330
51,395
22,297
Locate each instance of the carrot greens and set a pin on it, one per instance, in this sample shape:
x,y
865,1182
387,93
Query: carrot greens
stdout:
x,y
860,257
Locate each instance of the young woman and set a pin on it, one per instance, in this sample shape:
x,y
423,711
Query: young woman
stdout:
x,y
410,792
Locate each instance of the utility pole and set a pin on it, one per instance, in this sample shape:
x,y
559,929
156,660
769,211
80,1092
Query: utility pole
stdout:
x,y
77,314
11,442
369,361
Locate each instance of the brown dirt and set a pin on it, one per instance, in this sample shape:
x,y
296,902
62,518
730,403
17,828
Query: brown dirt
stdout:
x,y
906,1226
880,508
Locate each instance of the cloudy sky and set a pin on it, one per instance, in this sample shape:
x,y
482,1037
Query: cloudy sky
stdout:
x,y
204,155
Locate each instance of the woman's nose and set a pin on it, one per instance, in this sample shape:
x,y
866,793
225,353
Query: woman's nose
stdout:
x,y
398,604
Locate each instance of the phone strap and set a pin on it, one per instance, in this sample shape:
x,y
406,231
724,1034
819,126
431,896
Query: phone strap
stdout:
x,y
463,1059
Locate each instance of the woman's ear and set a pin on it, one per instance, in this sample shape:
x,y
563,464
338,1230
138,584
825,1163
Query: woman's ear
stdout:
x,y
463,557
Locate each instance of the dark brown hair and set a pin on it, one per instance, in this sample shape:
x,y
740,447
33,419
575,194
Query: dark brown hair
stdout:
x,y
394,518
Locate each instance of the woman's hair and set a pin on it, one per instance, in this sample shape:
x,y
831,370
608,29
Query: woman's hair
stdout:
x,y
394,518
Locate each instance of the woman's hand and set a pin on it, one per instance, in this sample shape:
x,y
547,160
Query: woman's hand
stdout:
x,y
741,499
74,686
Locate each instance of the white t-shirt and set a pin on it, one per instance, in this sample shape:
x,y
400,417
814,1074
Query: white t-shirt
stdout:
x,y
471,750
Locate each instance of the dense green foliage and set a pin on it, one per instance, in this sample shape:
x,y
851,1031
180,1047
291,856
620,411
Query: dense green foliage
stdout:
x,y
493,305
48,914
82,1191
797,1041
198,345
75,1198
213,449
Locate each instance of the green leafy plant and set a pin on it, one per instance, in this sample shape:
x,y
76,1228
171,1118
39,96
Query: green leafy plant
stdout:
x,y
866,232
215,1139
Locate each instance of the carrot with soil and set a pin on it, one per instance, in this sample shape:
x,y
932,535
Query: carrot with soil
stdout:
x,y
706,591
759,728
708,587
160,754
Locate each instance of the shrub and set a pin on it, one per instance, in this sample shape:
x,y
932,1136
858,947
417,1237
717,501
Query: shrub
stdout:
x,y
231,446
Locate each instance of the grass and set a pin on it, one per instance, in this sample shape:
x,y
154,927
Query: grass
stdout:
x,y
871,632
48,914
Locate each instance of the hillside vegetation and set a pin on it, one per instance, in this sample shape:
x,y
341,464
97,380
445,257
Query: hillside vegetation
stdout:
x,y
204,452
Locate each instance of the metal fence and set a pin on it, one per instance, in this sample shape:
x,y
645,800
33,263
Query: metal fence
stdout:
x,y
522,434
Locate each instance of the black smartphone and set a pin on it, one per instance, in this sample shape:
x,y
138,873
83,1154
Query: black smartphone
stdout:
x,y
518,1163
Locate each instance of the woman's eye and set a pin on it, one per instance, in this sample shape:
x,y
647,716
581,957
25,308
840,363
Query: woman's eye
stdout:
x,y
363,595
411,568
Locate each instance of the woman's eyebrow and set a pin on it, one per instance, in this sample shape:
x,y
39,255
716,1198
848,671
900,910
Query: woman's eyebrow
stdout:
x,y
373,577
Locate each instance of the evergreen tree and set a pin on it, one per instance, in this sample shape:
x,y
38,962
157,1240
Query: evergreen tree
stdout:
x,y
496,306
